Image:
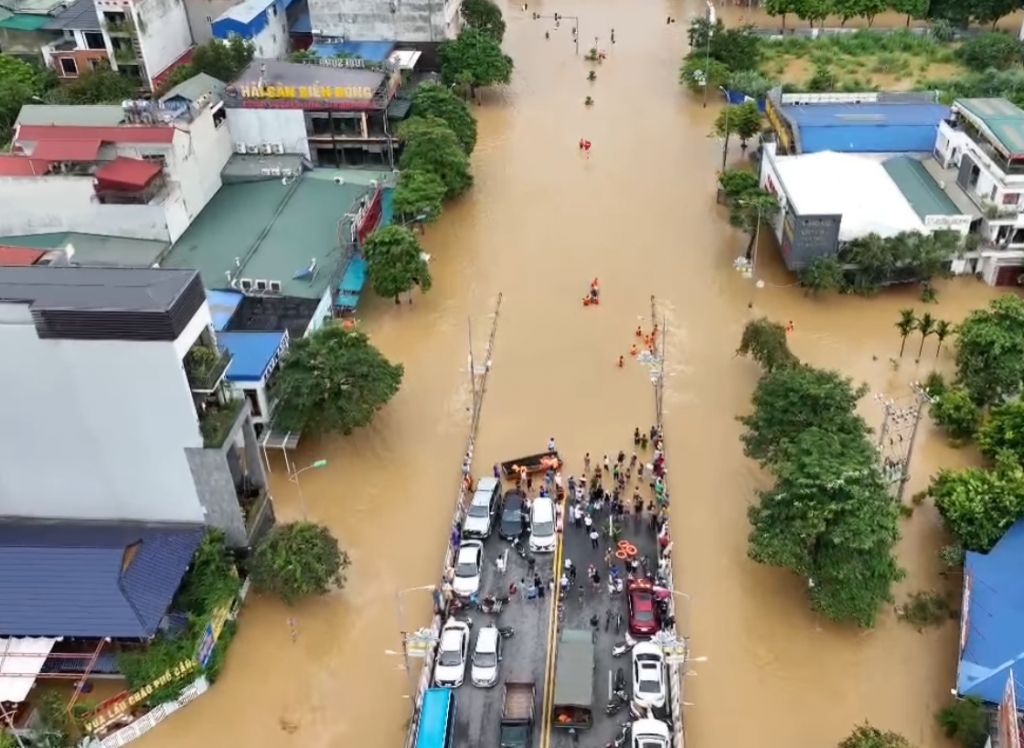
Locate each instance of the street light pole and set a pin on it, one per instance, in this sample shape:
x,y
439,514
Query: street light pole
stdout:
x,y
294,478
710,18
725,139
406,659
689,603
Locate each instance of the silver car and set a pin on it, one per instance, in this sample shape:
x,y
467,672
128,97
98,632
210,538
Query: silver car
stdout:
x,y
479,519
486,657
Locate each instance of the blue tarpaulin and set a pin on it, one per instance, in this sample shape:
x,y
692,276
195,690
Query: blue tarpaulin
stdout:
x,y
351,286
738,97
882,127
993,607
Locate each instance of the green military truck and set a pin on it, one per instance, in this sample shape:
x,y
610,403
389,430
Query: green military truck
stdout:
x,y
573,702
517,714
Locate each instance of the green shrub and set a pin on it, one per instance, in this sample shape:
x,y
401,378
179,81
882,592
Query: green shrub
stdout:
x,y
956,413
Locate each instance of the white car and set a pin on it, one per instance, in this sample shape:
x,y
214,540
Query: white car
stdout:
x,y
542,525
469,564
479,519
486,656
452,651
649,687
650,733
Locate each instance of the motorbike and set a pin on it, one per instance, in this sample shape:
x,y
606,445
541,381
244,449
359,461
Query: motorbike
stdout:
x,y
492,604
506,632
620,649
620,681
524,554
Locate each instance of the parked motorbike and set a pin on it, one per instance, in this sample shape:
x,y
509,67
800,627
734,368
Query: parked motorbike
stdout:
x,y
492,604
622,648
506,632
524,554
620,681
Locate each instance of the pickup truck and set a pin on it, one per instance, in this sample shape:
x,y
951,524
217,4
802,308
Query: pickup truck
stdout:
x,y
517,714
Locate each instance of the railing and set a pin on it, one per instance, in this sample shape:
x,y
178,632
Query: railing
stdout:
x,y
126,55
205,368
120,28
216,421
254,510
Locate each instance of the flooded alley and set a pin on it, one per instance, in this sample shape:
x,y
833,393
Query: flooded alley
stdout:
x,y
541,222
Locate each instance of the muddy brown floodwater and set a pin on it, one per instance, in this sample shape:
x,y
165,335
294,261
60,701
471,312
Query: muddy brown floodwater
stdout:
x,y
541,222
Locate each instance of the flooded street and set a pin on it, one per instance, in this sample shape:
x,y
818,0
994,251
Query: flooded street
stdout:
x,y
541,222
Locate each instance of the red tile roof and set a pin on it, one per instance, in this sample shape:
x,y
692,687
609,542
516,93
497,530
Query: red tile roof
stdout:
x,y
126,174
19,165
19,255
118,134
67,150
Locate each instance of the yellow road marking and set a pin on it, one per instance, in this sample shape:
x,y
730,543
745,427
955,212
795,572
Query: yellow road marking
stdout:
x,y
552,637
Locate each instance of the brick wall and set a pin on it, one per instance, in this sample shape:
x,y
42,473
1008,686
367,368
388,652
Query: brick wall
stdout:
x,y
84,59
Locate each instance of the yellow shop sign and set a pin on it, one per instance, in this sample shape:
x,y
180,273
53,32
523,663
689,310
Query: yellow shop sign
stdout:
x,y
778,125
306,92
121,707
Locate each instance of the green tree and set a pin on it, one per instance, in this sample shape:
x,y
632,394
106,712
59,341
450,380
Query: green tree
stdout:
x,y
211,579
429,145
943,329
824,273
738,48
485,16
434,100
751,210
225,61
298,559
418,196
830,519
20,82
914,10
696,71
906,324
990,350
736,183
992,50
395,263
765,342
789,400
990,11
813,11
925,326
978,506
745,121
474,59
99,86
871,8
780,9
847,9
866,736
1003,431
333,381
966,721
956,413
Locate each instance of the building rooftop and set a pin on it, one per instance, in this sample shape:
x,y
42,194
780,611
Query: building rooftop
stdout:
x,y
296,80
369,51
252,353
246,11
919,188
95,249
90,580
243,167
223,305
19,256
881,127
120,134
274,313
270,231
196,87
97,115
63,287
79,16
1003,120
24,22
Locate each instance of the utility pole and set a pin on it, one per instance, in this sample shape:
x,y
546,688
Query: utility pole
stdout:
x,y
472,365
896,438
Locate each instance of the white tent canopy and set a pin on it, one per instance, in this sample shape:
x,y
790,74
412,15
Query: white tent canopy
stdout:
x,y
21,660
856,187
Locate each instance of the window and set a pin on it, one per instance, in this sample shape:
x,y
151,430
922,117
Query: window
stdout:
x,y
68,66
94,40
1010,198
209,19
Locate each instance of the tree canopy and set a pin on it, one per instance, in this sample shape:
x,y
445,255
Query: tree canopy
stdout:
x,y
298,559
394,262
990,351
742,120
866,736
485,16
418,195
431,146
1003,432
19,82
225,61
954,411
333,381
434,100
978,506
752,210
765,342
474,59
99,86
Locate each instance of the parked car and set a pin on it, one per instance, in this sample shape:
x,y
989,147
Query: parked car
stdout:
x,y
650,733
486,657
479,517
512,508
643,613
452,650
649,687
542,525
469,565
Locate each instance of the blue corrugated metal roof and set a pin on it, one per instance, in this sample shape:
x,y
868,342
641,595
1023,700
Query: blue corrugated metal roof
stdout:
x,y
247,19
888,127
434,718
223,305
995,619
369,51
251,353
70,579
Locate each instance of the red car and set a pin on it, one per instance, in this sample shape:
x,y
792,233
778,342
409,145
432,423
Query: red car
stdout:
x,y
643,614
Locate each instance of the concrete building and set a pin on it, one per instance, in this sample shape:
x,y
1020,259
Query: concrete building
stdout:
x,y
147,37
424,22
980,149
83,44
23,26
854,123
262,22
332,111
134,180
143,429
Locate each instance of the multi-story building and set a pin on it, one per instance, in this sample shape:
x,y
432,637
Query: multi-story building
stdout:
x,y
424,22
83,44
981,150
147,37
262,22
145,179
113,395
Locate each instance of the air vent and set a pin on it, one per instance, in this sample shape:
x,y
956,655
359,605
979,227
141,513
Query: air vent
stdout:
x,y
261,285
246,284
275,286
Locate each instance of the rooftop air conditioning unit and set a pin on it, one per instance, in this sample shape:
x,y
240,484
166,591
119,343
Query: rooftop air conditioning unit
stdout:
x,y
246,284
253,149
261,285
278,148
275,286
266,149
265,172
240,147
275,171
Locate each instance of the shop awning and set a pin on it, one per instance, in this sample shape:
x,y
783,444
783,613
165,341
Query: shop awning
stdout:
x,y
67,150
21,660
127,174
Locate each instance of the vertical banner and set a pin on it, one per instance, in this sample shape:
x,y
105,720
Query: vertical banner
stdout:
x,y
1009,731
965,615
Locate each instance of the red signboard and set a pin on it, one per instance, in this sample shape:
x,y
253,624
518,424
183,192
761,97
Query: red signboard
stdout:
x,y
312,106
1009,731
370,218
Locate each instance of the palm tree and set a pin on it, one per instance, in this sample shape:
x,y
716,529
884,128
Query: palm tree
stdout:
x,y
906,325
925,326
942,331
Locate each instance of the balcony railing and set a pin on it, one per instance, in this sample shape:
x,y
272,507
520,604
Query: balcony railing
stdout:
x,y
126,55
205,367
215,422
253,510
120,28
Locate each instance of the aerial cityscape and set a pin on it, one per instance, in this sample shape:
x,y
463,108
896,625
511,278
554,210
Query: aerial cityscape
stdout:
x,y
415,374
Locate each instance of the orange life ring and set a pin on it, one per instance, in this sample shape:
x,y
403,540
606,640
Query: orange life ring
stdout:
x,y
621,555
622,545
630,549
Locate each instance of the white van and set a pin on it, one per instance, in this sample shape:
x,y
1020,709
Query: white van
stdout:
x,y
542,525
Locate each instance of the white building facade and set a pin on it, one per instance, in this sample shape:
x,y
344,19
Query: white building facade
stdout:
x,y
149,37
